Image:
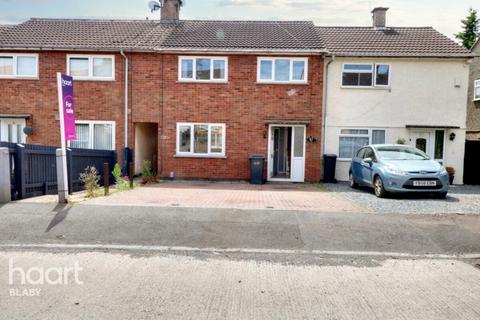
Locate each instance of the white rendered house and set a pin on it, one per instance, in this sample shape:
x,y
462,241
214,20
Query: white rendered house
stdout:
x,y
394,85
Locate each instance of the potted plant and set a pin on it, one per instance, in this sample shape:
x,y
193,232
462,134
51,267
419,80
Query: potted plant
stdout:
x,y
451,174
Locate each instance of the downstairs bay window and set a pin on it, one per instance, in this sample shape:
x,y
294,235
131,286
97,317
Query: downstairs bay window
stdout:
x,y
200,139
99,135
351,140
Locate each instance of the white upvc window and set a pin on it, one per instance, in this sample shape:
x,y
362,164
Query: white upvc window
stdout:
x,y
366,75
352,139
201,139
91,67
476,90
99,135
282,70
18,66
203,69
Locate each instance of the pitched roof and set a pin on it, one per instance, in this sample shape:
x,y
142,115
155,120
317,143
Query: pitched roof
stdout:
x,y
389,42
152,35
5,27
75,34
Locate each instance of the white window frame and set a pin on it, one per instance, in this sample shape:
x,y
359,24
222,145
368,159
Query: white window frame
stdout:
x,y
15,66
194,69
90,76
91,131
349,135
476,89
191,153
373,72
272,79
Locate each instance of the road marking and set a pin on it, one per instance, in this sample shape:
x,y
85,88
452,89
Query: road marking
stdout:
x,y
239,250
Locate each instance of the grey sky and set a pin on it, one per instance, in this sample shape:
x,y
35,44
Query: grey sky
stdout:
x,y
444,15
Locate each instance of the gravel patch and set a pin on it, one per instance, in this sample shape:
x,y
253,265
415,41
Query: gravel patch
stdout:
x,y
460,200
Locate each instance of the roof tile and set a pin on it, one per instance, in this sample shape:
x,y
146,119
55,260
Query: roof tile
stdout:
x,y
390,42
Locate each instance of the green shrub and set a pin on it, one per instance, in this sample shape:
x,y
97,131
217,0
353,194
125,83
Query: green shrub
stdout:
x,y
90,179
147,172
121,183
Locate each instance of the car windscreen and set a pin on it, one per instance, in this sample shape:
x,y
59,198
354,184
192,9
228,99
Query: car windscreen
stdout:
x,y
400,153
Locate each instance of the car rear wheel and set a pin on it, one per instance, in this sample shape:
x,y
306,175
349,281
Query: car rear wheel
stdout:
x,y
353,184
379,188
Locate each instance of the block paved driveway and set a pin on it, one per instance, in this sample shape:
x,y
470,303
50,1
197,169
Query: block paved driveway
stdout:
x,y
235,195
460,200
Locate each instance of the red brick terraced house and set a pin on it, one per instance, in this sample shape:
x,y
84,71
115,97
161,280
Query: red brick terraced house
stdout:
x,y
196,98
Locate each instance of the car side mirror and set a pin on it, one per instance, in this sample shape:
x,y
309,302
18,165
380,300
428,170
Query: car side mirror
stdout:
x,y
369,161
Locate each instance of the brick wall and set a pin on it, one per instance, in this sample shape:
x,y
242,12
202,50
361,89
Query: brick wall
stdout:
x,y
242,104
94,100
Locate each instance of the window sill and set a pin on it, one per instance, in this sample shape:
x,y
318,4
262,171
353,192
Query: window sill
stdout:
x,y
366,87
282,83
203,81
200,156
344,160
93,79
18,78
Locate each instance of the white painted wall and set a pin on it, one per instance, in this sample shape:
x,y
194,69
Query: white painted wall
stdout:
x,y
422,92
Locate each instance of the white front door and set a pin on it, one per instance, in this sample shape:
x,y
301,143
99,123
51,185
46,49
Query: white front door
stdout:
x,y
286,153
421,141
298,153
432,142
11,130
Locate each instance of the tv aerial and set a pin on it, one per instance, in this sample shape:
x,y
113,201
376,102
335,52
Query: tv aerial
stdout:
x,y
154,6
158,5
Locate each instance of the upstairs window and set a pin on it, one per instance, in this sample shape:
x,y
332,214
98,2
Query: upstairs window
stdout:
x,y
208,69
84,67
18,66
282,70
365,75
476,91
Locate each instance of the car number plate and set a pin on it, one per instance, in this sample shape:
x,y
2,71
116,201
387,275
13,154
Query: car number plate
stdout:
x,y
424,183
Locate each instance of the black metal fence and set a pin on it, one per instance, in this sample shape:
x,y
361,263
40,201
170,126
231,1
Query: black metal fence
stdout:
x,y
33,168
472,160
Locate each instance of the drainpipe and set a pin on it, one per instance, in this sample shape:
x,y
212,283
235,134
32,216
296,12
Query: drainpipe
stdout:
x,y
126,150
325,104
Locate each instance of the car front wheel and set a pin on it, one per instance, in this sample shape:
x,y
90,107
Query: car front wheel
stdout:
x,y
441,195
379,187
353,184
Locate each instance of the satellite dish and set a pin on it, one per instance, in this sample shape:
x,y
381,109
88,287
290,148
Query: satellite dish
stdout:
x,y
154,6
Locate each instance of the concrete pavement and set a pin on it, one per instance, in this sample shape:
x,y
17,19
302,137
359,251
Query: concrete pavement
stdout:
x,y
193,263
179,286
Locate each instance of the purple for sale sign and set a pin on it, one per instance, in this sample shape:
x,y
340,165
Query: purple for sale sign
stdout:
x,y
68,107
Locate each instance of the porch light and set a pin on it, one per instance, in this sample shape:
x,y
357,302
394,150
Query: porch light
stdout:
x,y
452,136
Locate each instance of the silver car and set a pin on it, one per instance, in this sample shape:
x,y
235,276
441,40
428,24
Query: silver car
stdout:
x,y
398,168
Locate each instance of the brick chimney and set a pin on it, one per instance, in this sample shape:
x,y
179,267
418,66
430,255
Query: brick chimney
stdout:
x,y
170,12
379,17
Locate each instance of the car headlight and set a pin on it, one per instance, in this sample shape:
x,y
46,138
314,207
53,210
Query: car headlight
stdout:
x,y
395,170
443,171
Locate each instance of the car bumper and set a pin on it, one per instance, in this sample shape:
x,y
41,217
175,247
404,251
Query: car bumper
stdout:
x,y
394,183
